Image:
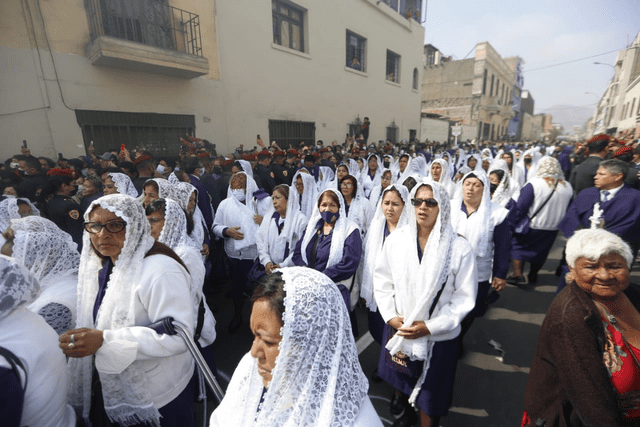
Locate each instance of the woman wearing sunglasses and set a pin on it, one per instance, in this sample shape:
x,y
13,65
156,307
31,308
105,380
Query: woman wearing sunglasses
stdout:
x,y
121,372
424,284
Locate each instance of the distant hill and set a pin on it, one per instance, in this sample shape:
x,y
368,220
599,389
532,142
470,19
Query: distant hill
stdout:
x,y
569,115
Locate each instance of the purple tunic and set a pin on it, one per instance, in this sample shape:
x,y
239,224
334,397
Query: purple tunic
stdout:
x,y
11,398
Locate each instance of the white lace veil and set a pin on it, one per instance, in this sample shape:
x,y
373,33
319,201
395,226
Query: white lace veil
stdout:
x,y
246,167
174,231
341,230
373,242
549,167
445,176
165,188
18,287
44,249
182,193
126,395
309,194
123,184
317,379
478,223
9,211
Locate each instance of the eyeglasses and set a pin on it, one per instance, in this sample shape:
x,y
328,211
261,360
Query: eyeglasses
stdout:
x,y
386,178
346,185
431,203
111,226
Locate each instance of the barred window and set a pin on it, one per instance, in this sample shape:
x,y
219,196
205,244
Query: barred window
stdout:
x,y
393,67
355,51
288,25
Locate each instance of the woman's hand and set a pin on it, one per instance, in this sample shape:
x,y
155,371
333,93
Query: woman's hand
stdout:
x,y
498,283
270,267
257,219
205,250
416,330
396,322
235,233
80,342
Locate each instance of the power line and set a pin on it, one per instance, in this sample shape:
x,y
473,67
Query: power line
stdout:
x,y
569,62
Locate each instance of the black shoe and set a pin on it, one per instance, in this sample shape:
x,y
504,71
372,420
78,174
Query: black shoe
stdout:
x,y
408,419
375,377
532,278
517,280
397,404
235,324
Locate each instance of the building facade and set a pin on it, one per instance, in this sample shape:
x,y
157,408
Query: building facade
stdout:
x,y
476,93
145,72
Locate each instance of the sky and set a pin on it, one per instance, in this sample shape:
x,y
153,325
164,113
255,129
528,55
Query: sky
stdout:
x,y
543,33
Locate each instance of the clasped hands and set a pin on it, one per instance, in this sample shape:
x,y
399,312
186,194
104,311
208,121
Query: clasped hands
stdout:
x,y
417,329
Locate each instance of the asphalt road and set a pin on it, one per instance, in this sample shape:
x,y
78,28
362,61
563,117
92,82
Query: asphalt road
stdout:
x,y
489,385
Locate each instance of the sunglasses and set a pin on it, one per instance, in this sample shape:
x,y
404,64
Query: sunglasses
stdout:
x,y
112,226
431,203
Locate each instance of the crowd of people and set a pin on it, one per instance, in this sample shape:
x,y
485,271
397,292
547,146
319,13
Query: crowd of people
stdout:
x,y
421,235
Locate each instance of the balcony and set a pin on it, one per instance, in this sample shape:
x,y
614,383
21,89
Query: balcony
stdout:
x,y
410,9
146,35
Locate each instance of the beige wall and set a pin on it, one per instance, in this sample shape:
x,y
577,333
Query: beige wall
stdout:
x,y
250,81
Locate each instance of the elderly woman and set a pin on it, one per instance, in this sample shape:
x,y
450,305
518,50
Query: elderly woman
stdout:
x,y
307,192
52,257
119,183
91,190
303,367
123,373
28,356
280,231
235,223
424,284
357,206
156,188
585,370
187,197
484,224
331,243
542,203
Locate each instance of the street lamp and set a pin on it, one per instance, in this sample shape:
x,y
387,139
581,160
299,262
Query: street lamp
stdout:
x,y
602,63
591,93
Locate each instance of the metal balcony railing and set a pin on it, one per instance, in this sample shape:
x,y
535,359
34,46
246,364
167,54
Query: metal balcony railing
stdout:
x,y
151,22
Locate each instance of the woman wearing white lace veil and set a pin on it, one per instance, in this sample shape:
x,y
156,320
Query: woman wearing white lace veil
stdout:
x,y
342,170
156,188
507,189
52,257
441,173
187,197
127,281
280,231
547,196
404,168
376,192
235,223
371,174
326,177
424,284
419,166
529,163
306,192
332,244
303,367
485,226
119,183
34,344
357,206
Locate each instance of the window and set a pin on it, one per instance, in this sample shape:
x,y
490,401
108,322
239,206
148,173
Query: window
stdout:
x,y
392,133
415,78
492,80
288,29
158,133
355,51
484,83
393,67
289,133
633,104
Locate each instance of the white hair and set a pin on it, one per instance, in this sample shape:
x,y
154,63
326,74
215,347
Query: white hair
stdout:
x,y
594,244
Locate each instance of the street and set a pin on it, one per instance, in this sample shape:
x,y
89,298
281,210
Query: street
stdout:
x,y
488,391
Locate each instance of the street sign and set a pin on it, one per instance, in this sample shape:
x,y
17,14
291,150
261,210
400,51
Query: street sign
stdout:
x,y
456,130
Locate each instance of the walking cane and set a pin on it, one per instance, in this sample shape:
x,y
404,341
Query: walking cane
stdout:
x,y
170,327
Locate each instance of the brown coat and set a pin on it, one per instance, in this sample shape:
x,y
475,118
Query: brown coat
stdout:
x,y
568,383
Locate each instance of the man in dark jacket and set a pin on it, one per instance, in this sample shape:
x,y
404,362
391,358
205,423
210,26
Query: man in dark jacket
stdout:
x,y
582,175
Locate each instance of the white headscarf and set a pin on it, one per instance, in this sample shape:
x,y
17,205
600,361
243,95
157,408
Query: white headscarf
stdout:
x,y
420,285
51,255
478,223
18,287
317,379
373,242
535,158
246,167
174,231
549,167
126,395
359,209
407,171
508,187
165,188
326,177
182,193
9,210
445,176
289,233
309,193
341,230
123,184
239,214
